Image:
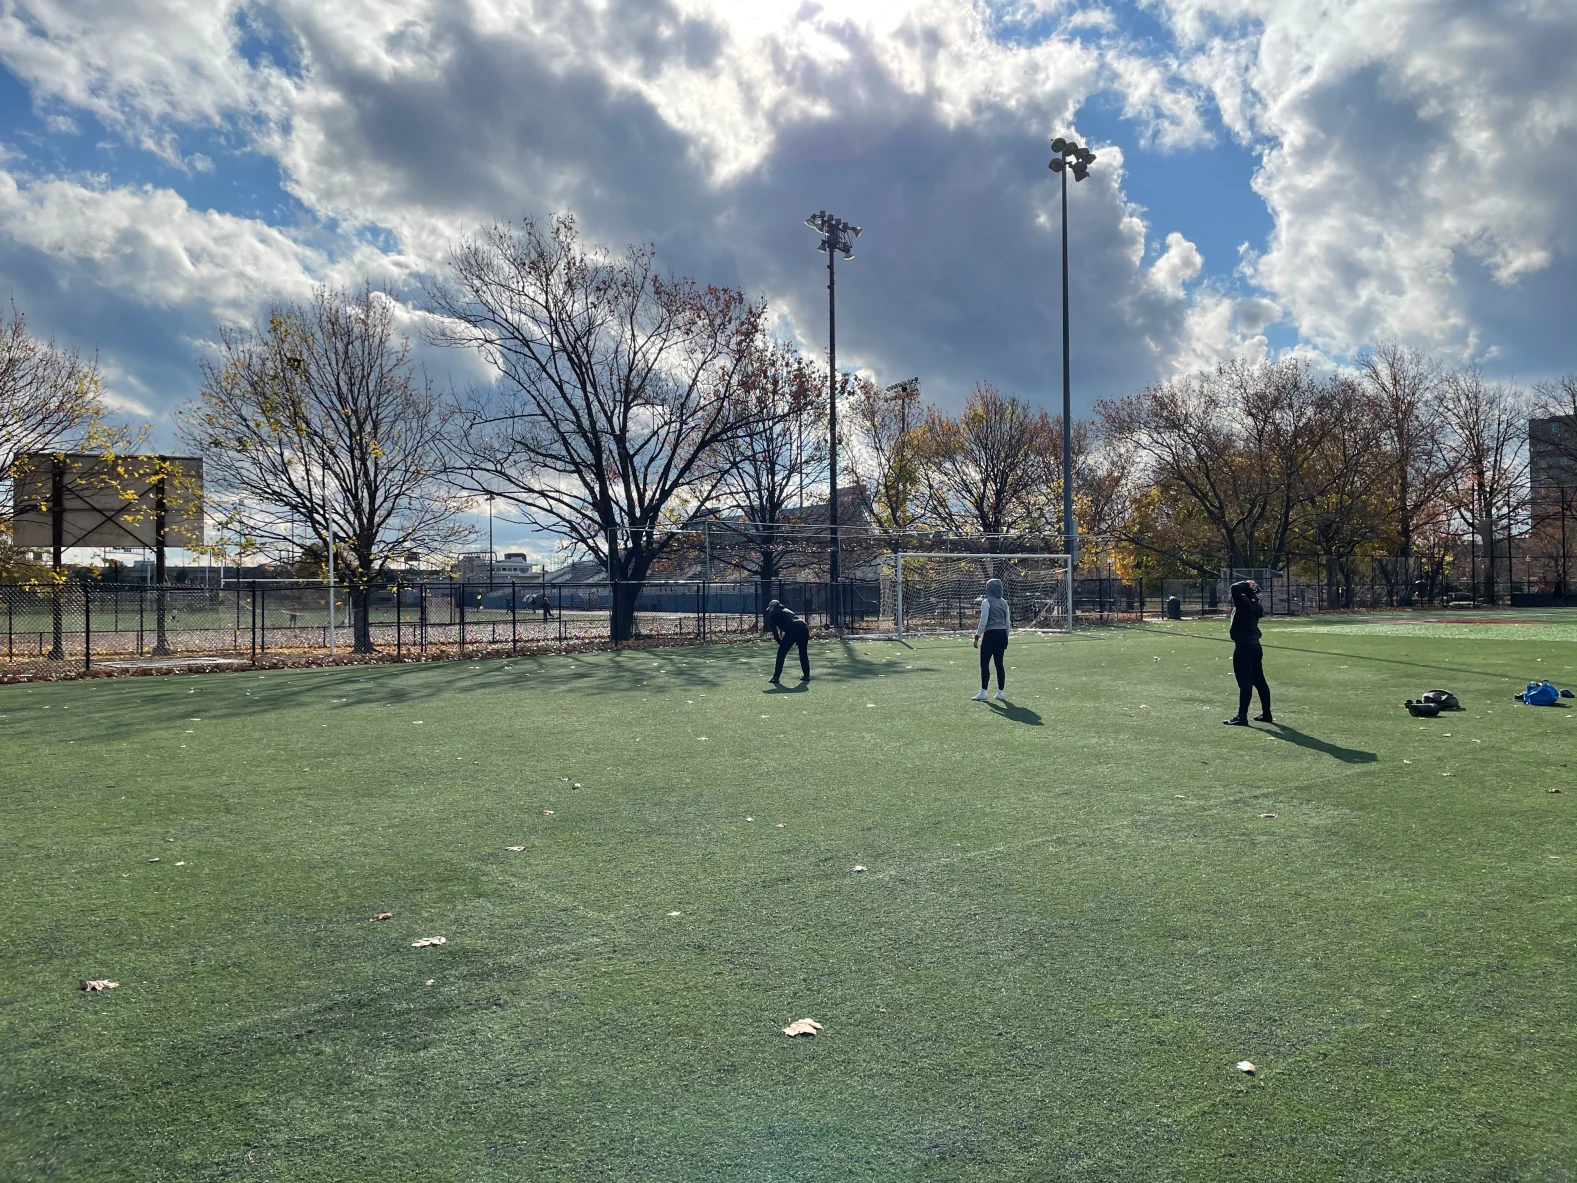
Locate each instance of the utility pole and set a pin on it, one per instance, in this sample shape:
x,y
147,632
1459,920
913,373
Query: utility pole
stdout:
x,y
836,235
1070,158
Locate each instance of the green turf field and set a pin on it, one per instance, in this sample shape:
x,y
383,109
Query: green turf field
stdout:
x,y
1074,922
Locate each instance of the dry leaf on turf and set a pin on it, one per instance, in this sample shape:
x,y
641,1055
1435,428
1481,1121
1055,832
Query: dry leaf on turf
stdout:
x,y
547,813
802,1027
675,913
1552,790
782,825
1267,815
428,982
576,785
514,849
95,984
384,916
1246,1067
423,942
859,870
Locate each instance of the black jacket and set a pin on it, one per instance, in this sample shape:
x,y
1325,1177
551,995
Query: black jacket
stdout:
x,y
1246,611
782,623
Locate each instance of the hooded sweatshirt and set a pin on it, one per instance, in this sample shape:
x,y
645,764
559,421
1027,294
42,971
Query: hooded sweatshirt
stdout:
x,y
994,613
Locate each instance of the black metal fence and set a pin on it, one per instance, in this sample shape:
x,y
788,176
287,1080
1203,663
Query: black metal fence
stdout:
x,y
78,626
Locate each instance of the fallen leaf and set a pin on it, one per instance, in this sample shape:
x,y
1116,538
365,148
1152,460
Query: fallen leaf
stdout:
x,y
1267,815
1406,761
180,864
514,849
93,985
1144,706
384,916
700,739
415,721
1179,797
423,942
859,870
782,825
547,813
154,860
802,1027
1552,790
576,785
675,913
1246,1067
750,819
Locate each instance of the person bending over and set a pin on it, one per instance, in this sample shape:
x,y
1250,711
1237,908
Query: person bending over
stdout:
x,y
991,638
788,631
1248,658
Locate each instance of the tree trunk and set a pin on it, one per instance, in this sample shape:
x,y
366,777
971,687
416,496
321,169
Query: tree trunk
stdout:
x,y
622,620
361,612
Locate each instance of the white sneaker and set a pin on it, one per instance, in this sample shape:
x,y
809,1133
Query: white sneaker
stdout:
x,y
1002,696
981,697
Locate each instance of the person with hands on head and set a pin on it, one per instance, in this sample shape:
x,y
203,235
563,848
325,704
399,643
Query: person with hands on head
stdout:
x,y
788,630
1248,657
991,638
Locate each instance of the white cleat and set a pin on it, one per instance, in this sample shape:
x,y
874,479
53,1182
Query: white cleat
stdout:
x,y
981,697
1002,696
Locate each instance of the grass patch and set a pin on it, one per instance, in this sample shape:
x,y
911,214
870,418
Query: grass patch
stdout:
x,y
1075,920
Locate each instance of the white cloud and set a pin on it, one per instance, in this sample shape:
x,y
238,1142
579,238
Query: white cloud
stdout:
x,y
1179,263
1405,146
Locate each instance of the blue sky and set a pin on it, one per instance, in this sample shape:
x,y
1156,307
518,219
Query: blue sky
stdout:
x,y
1274,176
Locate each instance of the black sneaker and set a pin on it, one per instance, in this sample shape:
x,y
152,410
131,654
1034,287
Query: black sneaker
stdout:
x,y
1236,721
774,682
1263,719
806,678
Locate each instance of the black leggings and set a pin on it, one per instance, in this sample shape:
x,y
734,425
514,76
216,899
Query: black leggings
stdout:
x,y
1248,667
795,634
993,644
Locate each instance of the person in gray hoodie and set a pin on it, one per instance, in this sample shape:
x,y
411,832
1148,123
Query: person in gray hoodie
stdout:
x,y
991,638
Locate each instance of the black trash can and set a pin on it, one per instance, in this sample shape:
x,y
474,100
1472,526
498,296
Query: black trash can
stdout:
x,y
1174,608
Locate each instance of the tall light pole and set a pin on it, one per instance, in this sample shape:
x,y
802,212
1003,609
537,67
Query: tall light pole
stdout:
x,y
489,540
836,235
1069,158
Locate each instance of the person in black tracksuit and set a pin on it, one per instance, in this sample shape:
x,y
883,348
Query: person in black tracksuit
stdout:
x,y
1248,658
788,630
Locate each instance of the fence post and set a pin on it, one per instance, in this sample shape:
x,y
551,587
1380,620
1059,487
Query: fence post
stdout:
x,y
254,616
514,617
398,616
87,628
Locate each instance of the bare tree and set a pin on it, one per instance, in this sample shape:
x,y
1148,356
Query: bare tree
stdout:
x,y
1238,441
1487,421
1403,389
765,468
49,400
889,459
988,471
616,388
318,421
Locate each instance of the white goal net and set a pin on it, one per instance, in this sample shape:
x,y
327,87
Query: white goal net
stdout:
x,y
941,593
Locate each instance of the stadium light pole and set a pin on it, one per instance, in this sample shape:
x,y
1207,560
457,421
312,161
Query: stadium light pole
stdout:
x,y
1069,157
836,235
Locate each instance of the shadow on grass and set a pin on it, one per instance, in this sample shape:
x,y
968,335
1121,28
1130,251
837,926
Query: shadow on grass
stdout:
x,y
1294,736
1015,714
779,688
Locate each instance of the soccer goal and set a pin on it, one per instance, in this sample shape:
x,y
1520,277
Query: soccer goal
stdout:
x,y
941,593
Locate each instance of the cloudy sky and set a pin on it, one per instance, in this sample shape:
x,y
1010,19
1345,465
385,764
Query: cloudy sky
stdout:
x,y
1272,174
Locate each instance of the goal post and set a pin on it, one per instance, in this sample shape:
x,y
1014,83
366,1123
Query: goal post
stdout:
x,y
939,592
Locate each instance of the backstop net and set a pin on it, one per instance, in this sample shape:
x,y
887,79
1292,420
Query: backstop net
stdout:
x,y
941,593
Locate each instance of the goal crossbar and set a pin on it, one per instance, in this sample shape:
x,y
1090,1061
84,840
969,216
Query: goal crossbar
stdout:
x,y
1060,606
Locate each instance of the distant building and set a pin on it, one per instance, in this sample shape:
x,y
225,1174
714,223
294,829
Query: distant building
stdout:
x,y
1552,456
512,568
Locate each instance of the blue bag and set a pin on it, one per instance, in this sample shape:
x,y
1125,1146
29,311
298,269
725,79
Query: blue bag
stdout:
x,y
1541,694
